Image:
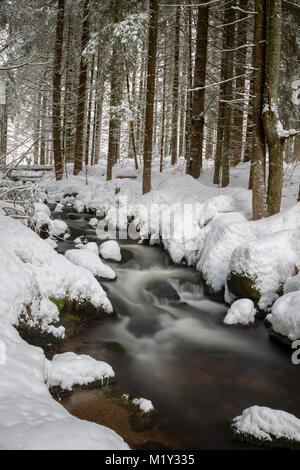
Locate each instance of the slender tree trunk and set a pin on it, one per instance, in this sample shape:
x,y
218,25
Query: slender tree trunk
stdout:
x,y
175,111
163,111
258,151
56,107
198,111
221,121
82,86
43,125
270,116
89,113
189,100
151,70
229,32
240,91
131,125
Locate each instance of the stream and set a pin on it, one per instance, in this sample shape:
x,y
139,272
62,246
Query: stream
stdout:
x,y
198,372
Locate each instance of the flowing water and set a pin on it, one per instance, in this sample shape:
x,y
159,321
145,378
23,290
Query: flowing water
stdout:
x,y
198,373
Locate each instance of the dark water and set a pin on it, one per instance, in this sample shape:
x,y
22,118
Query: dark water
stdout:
x,y
198,373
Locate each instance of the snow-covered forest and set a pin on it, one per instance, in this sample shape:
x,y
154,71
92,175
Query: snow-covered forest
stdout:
x,y
149,224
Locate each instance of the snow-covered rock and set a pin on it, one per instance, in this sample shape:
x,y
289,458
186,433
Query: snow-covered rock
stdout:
x,y
90,260
42,220
31,272
241,312
110,250
286,315
144,405
269,261
268,426
29,417
69,369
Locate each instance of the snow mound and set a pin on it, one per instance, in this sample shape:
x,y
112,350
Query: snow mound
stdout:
x,y
286,315
90,260
266,424
29,417
241,312
110,250
41,218
31,272
144,405
68,369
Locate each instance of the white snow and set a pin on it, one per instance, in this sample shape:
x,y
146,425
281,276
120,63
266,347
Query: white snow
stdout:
x,y
41,217
93,222
69,369
286,315
266,424
29,418
110,250
144,405
31,271
241,312
90,260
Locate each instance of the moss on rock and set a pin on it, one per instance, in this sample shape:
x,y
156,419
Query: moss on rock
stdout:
x,y
115,347
243,286
276,443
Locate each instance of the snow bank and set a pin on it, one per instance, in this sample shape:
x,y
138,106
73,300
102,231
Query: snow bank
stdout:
x,y
200,225
241,312
90,260
110,250
31,272
29,418
286,315
69,369
265,424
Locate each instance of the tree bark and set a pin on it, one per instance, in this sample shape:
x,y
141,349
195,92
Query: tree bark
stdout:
x,y
175,111
198,111
151,69
240,59
229,36
270,115
56,107
258,151
82,86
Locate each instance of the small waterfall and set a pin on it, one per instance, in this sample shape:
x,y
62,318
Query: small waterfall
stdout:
x,y
188,290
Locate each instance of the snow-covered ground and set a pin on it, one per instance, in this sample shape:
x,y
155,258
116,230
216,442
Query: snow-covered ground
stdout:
x,y
31,274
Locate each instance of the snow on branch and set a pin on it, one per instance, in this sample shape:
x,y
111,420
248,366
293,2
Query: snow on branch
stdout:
x,y
218,83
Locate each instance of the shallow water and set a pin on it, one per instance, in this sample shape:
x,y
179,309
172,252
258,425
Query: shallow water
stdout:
x,y
198,372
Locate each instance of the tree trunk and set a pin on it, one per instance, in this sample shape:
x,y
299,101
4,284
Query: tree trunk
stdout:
x,y
175,111
151,69
258,151
195,158
82,86
229,36
189,100
240,59
89,113
270,116
56,107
